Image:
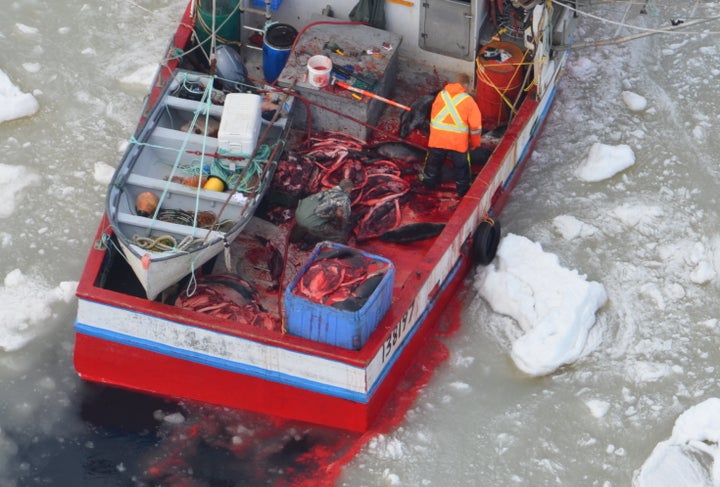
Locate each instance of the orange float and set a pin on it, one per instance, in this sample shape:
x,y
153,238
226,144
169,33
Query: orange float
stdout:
x,y
146,203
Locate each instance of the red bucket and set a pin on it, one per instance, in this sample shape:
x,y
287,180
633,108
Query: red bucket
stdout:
x,y
499,75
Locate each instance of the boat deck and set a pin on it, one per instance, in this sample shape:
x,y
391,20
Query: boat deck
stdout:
x,y
263,245
262,254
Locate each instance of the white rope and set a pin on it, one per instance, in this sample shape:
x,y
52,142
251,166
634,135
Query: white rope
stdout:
x,y
661,30
645,31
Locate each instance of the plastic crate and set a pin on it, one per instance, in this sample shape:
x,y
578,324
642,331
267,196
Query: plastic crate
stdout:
x,y
339,327
274,4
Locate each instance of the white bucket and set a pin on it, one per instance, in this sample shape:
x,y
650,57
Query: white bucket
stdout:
x,y
319,68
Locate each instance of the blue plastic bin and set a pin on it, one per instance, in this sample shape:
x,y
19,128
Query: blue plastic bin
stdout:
x,y
342,328
274,4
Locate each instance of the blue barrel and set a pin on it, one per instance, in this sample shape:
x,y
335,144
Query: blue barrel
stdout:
x,y
277,43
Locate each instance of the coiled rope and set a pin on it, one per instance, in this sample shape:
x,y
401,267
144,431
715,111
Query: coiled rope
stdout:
x,y
165,243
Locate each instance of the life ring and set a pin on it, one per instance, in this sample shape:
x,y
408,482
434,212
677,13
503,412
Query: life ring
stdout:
x,y
485,241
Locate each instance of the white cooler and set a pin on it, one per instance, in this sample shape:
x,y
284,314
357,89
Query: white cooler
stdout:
x,y
240,123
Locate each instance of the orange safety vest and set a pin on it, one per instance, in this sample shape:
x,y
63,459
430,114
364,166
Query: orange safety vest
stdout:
x,y
455,120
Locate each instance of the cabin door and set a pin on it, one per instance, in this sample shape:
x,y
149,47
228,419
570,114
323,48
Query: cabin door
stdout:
x,y
446,27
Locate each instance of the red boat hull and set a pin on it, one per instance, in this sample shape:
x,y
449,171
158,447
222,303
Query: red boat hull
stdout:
x,y
138,344
107,362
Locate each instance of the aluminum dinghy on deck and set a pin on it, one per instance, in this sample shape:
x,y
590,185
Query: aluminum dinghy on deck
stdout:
x,y
171,158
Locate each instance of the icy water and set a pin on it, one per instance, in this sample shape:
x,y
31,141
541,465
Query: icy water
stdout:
x,y
648,234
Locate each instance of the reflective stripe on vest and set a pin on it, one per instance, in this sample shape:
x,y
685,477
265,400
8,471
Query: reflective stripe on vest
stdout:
x,y
458,125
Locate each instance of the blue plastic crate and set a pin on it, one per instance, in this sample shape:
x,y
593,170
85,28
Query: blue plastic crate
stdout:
x,y
274,4
339,327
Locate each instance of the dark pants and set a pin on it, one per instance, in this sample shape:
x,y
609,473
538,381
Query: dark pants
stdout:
x,y
433,165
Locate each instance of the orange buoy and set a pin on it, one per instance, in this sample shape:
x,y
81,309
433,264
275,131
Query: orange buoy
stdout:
x,y
194,181
146,203
214,183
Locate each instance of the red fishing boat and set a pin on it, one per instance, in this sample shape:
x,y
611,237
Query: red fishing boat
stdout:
x,y
203,295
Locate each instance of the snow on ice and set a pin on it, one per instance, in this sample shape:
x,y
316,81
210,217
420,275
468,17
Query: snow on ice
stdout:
x,y
13,102
141,78
13,181
633,101
555,309
604,161
553,306
690,456
27,305
27,300
103,173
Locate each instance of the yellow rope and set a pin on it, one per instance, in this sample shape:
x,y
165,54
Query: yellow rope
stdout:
x,y
482,75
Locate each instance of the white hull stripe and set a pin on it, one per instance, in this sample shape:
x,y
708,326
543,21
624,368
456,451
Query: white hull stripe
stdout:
x,y
219,363
233,365
186,342
413,330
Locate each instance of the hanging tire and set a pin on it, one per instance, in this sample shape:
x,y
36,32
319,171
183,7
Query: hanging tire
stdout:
x,y
485,241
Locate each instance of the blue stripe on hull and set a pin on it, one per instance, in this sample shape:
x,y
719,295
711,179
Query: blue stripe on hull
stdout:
x,y
258,372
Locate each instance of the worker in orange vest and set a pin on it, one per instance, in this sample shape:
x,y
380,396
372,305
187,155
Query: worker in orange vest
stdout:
x,y
455,129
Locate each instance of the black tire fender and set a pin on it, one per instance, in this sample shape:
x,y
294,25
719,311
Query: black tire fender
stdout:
x,y
485,241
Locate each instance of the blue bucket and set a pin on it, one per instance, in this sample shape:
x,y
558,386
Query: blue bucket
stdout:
x,y
277,42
